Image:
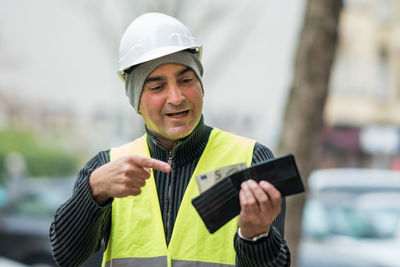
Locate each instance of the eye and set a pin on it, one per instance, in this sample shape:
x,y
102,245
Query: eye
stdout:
x,y
156,87
186,80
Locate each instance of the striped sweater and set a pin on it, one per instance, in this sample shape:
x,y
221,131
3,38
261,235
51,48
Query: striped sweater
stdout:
x,y
80,224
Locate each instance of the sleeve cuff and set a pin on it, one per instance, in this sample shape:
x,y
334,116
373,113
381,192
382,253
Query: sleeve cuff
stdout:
x,y
84,193
254,239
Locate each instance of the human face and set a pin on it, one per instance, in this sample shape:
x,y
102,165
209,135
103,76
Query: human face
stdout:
x,y
171,102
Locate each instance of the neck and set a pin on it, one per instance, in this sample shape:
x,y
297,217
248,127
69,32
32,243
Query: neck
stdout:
x,y
169,144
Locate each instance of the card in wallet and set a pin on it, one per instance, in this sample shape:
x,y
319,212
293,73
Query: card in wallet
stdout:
x,y
220,203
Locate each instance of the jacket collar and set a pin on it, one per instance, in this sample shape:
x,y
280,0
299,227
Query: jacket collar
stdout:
x,y
185,149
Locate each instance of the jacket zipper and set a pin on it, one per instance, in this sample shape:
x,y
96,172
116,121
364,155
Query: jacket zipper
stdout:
x,y
170,158
169,197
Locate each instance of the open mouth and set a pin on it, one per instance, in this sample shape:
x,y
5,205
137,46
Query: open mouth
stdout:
x,y
178,114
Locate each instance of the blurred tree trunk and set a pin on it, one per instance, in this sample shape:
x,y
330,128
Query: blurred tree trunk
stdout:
x,y
303,120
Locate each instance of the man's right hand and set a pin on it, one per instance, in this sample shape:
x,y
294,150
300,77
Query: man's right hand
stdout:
x,y
123,177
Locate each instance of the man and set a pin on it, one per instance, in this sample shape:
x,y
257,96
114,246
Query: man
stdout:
x,y
137,197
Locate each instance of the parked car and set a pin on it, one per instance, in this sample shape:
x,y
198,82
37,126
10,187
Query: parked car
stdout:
x,y
351,218
25,221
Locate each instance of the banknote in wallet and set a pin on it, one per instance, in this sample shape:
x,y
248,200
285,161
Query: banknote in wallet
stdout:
x,y
220,203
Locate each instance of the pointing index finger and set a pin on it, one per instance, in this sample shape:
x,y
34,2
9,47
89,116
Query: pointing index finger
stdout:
x,y
154,163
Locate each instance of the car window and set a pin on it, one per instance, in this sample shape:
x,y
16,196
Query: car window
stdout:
x,y
352,217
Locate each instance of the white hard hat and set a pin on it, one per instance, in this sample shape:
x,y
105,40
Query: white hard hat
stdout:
x,y
151,36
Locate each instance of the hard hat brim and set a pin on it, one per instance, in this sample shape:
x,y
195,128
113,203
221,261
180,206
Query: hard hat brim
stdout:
x,y
126,62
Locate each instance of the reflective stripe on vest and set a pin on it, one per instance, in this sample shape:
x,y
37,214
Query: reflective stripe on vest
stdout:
x,y
159,262
138,262
137,231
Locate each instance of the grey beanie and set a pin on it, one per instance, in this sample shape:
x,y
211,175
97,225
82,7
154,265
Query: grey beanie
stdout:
x,y
135,80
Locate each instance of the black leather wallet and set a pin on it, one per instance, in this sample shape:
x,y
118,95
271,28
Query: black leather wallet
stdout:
x,y
220,203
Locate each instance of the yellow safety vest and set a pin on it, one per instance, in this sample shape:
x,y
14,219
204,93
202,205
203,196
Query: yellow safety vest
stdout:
x,y
137,235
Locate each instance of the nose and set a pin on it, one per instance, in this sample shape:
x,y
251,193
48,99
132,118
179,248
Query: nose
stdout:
x,y
175,95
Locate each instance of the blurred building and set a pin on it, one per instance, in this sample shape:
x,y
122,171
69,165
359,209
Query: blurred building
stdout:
x,y
62,70
363,107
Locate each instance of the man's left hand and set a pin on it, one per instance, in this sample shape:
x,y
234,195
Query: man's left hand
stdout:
x,y
260,204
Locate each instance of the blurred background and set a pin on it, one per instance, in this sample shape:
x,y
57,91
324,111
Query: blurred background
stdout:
x,y
319,79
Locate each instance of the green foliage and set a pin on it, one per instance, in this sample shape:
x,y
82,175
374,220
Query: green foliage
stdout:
x,y
43,158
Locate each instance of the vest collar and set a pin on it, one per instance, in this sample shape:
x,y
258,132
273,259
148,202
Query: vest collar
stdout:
x,y
186,149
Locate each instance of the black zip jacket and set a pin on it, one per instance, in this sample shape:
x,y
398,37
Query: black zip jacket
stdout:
x,y
80,224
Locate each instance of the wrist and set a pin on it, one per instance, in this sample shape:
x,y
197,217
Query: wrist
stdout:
x,y
254,238
98,194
